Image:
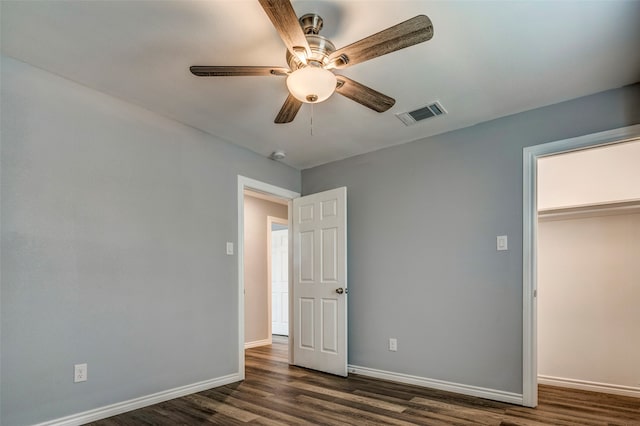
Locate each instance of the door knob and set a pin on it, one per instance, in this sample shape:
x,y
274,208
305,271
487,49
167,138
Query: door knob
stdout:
x,y
341,290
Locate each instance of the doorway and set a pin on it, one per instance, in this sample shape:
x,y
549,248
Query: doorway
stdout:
x,y
588,275
530,230
318,224
270,192
263,213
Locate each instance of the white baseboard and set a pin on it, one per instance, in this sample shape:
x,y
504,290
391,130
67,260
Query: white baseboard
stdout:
x,y
257,343
493,394
144,401
589,386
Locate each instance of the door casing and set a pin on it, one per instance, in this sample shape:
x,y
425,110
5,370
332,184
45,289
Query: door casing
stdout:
x,y
529,243
266,188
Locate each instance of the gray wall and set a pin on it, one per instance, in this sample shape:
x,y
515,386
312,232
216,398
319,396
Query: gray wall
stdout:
x,y
114,223
423,220
256,277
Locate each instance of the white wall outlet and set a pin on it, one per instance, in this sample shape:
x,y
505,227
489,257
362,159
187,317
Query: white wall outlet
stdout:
x,y
502,243
393,344
229,248
80,373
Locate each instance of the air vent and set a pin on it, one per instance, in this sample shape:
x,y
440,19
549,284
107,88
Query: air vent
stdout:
x,y
412,117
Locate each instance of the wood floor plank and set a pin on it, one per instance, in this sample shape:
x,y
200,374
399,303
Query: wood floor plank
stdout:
x,y
350,413
222,407
458,411
275,394
263,407
350,397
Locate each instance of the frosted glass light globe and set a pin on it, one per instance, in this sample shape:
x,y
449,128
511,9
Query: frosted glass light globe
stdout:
x,y
311,84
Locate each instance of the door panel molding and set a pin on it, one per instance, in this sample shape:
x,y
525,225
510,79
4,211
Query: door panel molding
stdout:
x,y
320,268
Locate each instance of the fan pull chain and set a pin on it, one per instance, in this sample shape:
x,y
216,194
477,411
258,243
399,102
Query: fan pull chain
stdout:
x,y
311,122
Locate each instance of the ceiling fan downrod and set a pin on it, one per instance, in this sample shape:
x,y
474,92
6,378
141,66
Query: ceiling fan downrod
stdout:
x,y
311,23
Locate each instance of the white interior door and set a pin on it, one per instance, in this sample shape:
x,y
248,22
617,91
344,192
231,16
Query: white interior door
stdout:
x,y
320,281
280,282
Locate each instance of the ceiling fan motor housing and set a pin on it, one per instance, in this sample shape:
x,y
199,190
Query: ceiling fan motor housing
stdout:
x,y
321,48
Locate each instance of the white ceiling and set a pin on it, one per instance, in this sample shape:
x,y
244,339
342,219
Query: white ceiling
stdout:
x,y
486,60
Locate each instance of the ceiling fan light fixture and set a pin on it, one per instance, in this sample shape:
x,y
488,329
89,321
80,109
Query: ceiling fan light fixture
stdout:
x,y
311,84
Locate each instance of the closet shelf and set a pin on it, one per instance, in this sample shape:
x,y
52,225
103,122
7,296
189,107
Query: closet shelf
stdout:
x,y
590,210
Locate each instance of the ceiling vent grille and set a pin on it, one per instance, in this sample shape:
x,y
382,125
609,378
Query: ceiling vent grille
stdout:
x,y
429,111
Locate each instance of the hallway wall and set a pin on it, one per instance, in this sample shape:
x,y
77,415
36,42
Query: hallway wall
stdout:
x,y
256,279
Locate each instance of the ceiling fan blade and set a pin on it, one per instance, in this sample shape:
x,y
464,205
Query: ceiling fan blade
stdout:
x,y
363,95
288,111
416,30
284,18
212,71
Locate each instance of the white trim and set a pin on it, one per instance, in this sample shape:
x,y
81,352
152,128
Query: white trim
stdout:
x,y
256,185
529,243
257,343
493,394
529,280
266,197
586,385
136,403
290,275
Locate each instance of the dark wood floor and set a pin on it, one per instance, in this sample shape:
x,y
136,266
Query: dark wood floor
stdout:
x,y
275,393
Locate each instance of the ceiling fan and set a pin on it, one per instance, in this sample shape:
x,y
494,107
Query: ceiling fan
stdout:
x,y
312,59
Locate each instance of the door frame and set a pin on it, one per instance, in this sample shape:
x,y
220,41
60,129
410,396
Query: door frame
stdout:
x,y
530,244
276,191
271,220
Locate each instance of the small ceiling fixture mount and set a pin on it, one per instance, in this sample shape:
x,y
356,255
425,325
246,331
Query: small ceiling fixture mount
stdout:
x,y
278,155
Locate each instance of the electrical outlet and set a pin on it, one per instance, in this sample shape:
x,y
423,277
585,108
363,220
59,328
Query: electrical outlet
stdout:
x,y
393,344
229,248
80,373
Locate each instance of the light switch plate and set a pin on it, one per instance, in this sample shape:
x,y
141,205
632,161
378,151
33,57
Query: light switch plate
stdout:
x,y
393,344
502,243
229,248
